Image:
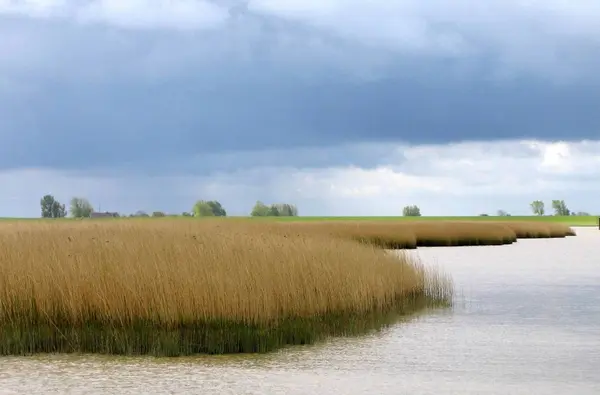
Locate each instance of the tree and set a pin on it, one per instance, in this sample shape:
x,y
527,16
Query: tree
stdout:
x,y
139,213
260,210
211,208
537,206
581,214
285,209
411,211
201,209
560,208
51,208
80,208
186,214
217,208
158,214
274,210
502,213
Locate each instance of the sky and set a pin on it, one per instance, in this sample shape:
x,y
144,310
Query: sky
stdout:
x,y
340,107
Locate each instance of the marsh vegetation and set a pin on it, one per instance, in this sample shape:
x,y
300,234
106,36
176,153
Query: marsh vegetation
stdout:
x,y
169,287
176,287
443,233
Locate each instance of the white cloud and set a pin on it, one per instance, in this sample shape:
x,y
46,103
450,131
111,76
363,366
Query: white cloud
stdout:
x,y
136,14
460,179
34,8
179,15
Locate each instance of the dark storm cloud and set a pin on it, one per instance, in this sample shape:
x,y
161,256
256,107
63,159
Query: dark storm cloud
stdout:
x,y
82,97
74,126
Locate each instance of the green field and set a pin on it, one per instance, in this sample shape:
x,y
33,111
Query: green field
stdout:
x,y
567,220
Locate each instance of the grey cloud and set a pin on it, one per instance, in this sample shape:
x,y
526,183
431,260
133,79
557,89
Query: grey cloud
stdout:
x,y
462,179
75,126
85,96
548,39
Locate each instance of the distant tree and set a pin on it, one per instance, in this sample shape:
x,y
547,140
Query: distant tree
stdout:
x,y
217,208
80,208
483,215
502,213
260,210
274,210
411,211
581,214
186,214
285,209
560,208
201,209
211,208
51,208
158,214
537,207
139,213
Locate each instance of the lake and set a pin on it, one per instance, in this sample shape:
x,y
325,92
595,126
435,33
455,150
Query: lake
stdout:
x,y
527,321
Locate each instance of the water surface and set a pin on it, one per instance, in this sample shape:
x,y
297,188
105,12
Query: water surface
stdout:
x,y
527,322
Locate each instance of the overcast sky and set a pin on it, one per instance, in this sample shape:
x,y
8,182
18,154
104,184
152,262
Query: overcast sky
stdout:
x,y
341,107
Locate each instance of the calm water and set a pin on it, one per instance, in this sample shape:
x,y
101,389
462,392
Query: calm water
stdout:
x,y
529,324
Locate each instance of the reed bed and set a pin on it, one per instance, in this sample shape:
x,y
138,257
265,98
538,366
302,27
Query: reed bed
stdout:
x,y
412,234
170,287
388,235
560,230
450,234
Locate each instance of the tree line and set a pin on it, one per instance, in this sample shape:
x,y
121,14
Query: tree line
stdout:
x,y
559,208
52,208
82,208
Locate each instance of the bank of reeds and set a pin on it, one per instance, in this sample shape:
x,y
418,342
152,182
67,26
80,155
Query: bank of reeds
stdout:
x,y
171,287
388,235
533,230
412,234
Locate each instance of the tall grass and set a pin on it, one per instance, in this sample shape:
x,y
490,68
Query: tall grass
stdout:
x,y
412,234
180,287
571,220
170,287
533,230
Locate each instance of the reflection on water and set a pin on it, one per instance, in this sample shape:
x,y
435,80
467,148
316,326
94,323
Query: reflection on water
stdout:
x,y
528,323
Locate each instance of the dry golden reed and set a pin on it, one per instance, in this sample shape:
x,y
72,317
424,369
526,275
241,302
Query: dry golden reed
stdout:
x,y
171,287
536,230
418,233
